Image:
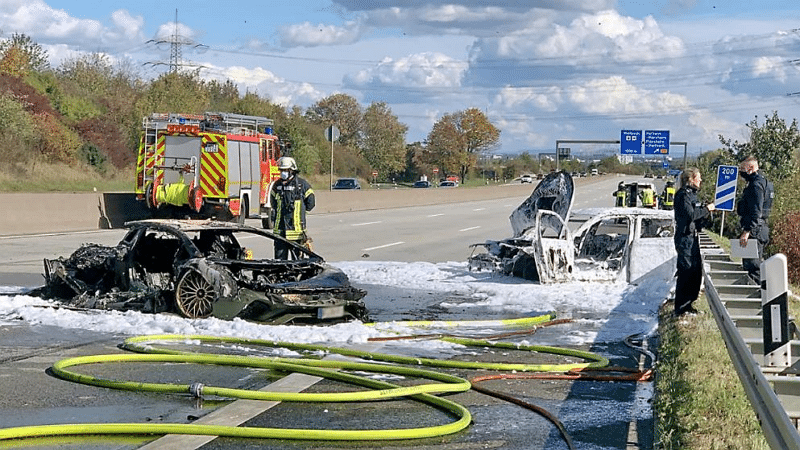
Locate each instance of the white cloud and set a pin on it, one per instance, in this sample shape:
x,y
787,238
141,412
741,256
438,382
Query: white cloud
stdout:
x,y
47,25
267,84
772,66
311,35
615,96
421,70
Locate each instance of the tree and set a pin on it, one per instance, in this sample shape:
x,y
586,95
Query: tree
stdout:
x,y
383,139
341,110
20,55
457,139
774,145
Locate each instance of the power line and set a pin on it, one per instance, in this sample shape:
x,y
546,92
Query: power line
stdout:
x,y
176,43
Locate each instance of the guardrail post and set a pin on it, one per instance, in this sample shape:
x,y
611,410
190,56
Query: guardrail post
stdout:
x,y
774,296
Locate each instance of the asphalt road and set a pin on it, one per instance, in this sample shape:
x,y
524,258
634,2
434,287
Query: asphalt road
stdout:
x,y
598,415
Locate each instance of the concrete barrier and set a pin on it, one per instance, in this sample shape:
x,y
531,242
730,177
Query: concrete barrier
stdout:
x,y
35,213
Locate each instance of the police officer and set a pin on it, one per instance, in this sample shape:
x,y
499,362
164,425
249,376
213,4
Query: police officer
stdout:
x,y
291,197
668,196
621,195
751,215
689,217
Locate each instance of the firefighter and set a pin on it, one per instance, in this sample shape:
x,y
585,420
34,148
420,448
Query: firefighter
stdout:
x,y
668,196
648,197
291,198
621,195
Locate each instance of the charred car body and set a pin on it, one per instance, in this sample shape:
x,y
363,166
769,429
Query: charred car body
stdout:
x,y
199,268
553,244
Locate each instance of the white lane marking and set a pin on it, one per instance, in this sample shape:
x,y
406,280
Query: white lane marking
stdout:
x,y
384,246
479,209
365,223
468,229
436,215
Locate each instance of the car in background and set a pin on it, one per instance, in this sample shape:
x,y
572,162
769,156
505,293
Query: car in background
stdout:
x,y
526,179
448,184
200,268
347,183
422,184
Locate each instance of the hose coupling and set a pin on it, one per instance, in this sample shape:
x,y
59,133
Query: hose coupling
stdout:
x,y
196,389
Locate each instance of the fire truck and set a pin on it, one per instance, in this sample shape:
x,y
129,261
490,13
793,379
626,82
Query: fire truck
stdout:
x,y
211,165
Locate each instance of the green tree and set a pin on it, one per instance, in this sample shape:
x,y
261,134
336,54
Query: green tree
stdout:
x,y
383,140
457,139
774,144
341,110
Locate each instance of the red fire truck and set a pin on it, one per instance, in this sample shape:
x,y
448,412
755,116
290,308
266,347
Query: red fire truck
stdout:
x,y
212,165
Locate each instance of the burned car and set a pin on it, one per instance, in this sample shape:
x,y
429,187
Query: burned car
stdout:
x,y
551,243
201,268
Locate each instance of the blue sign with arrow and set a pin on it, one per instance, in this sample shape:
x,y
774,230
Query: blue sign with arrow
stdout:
x,y
656,142
726,187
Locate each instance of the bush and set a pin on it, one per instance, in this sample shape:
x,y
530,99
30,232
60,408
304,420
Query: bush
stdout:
x,y
786,240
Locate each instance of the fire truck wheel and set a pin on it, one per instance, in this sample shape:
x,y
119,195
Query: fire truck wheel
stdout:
x,y
244,206
194,295
149,196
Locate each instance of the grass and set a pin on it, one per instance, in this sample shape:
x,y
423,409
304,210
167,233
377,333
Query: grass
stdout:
x,y
43,177
700,402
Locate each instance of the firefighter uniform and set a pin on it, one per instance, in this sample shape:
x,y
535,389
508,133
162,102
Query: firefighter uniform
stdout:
x,y
648,198
621,196
668,196
291,199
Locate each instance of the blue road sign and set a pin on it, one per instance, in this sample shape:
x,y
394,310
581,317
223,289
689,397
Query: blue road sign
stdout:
x,y
656,142
726,187
630,142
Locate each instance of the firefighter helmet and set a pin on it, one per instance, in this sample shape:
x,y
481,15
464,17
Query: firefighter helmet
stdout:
x,y
287,162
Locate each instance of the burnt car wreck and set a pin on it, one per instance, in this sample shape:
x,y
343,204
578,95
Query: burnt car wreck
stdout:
x,y
199,268
551,243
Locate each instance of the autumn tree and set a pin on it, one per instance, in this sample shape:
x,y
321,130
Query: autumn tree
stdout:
x,y
383,139
457,139
19,55
341,110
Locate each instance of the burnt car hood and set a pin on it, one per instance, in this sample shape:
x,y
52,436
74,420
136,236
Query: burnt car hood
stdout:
x,y
555,192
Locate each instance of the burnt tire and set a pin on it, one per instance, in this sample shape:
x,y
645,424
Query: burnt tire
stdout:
x,y
194,295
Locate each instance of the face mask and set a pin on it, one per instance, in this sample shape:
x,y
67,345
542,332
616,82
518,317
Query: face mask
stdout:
x,y
284,175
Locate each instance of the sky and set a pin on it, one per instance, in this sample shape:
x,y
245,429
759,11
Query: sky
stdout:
x,y
541,70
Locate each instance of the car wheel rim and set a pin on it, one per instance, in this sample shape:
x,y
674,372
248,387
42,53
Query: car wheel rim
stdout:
x,y
194,295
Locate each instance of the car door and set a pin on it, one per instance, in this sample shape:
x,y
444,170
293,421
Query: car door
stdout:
x,y
553,250
653,247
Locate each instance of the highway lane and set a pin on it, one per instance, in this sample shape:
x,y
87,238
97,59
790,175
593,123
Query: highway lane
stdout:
x,y
430,233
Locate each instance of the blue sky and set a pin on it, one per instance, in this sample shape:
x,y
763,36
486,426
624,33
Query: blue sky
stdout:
x,y
541,70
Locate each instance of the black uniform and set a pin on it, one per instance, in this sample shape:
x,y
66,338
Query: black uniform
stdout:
x,y
752,219
689,217
290,201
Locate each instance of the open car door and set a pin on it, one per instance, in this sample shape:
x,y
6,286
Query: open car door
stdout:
x,y
541,249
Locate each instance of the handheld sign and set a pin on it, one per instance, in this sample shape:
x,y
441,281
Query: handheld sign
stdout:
x,y
726,187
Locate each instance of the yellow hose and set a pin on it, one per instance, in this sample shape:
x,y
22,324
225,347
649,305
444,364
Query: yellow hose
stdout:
x,y
323,368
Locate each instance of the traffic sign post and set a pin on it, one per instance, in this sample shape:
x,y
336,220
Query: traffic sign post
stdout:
x,y
332,134
630,142
726,191
726,187
656,142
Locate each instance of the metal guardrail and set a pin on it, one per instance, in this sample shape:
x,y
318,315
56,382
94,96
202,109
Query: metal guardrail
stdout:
x,y
774,392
